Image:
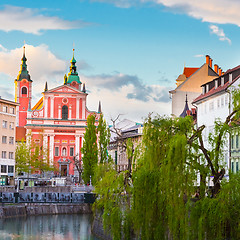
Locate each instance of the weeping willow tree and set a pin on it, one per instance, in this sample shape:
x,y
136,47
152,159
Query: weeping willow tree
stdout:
x,y
160,199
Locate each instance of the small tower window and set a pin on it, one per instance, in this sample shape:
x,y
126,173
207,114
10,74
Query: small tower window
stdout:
x,y
24,90
64,112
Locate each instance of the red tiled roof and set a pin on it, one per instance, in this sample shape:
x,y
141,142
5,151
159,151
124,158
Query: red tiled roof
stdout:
x,y
20,134
188,71
215,90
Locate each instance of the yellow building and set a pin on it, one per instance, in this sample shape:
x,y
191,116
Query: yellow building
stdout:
x,y
190,82
7,140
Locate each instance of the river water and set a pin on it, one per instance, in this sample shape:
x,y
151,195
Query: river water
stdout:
x,y
47,227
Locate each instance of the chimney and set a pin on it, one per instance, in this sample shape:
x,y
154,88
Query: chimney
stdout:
x,y
207,59
210,62
220,72
216,68
188,112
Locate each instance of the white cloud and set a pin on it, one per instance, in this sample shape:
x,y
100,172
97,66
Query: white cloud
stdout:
x,y
32,21
43,66
214,11
119,93
198,55
124,94
220,33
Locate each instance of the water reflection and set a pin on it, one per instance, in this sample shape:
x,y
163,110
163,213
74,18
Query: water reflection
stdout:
x,y
47,227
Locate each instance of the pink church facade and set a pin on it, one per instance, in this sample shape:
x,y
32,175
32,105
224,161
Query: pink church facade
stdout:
x,y
58,119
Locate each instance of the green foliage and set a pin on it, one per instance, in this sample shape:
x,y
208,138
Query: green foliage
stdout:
x,y
40,159
32,158
22,157
104,138
157,201
89,150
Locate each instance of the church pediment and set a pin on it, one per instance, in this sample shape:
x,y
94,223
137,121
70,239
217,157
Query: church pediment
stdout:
x,y
64,89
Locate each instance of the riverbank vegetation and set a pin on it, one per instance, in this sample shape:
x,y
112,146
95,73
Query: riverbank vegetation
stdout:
x,y
166,194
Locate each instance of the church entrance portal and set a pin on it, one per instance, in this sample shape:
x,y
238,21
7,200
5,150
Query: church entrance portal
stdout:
x,y
64,170
64,167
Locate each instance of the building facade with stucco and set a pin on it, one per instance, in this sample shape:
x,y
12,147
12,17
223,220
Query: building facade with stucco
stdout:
x,y
189,83
58,120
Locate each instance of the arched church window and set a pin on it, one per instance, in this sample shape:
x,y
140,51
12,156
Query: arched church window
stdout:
x,y
64,152
64,112
24,90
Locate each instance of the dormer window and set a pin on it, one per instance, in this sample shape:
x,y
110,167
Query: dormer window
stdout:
x,y
230,78
222,81
24,90
207,88
203,90
64,112
216,84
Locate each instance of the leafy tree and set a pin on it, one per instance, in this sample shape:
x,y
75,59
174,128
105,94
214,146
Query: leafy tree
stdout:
x,y
22,158
89,150
40,159
158,201
104,138
32,158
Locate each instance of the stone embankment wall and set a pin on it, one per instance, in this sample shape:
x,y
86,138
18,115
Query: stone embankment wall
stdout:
x,y
43,209
97,229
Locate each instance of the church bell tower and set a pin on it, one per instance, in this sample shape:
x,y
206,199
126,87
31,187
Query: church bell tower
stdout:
x,y
23,92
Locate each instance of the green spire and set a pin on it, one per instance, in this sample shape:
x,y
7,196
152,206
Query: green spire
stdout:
x,y
23,73
73,75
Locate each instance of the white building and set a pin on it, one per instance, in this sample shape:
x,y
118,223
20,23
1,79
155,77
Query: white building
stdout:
x,y
214,103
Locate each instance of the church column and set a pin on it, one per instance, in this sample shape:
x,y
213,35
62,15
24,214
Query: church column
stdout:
x,y
46,107
77,108
83,108
52,105
51,149
59,111
45,145
77,143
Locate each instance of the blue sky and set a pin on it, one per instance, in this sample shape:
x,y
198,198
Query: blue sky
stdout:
x,y
129,52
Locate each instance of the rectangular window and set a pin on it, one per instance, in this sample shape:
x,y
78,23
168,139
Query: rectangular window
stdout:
x,y
4,139
11,125
236,166
10,169
11,140
12,110
4,124
226,100
10,155
232,166
4,109
56,151
232,142
222,101
116,157
236,141
4,168
218,103
4,154
71,151
211,106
